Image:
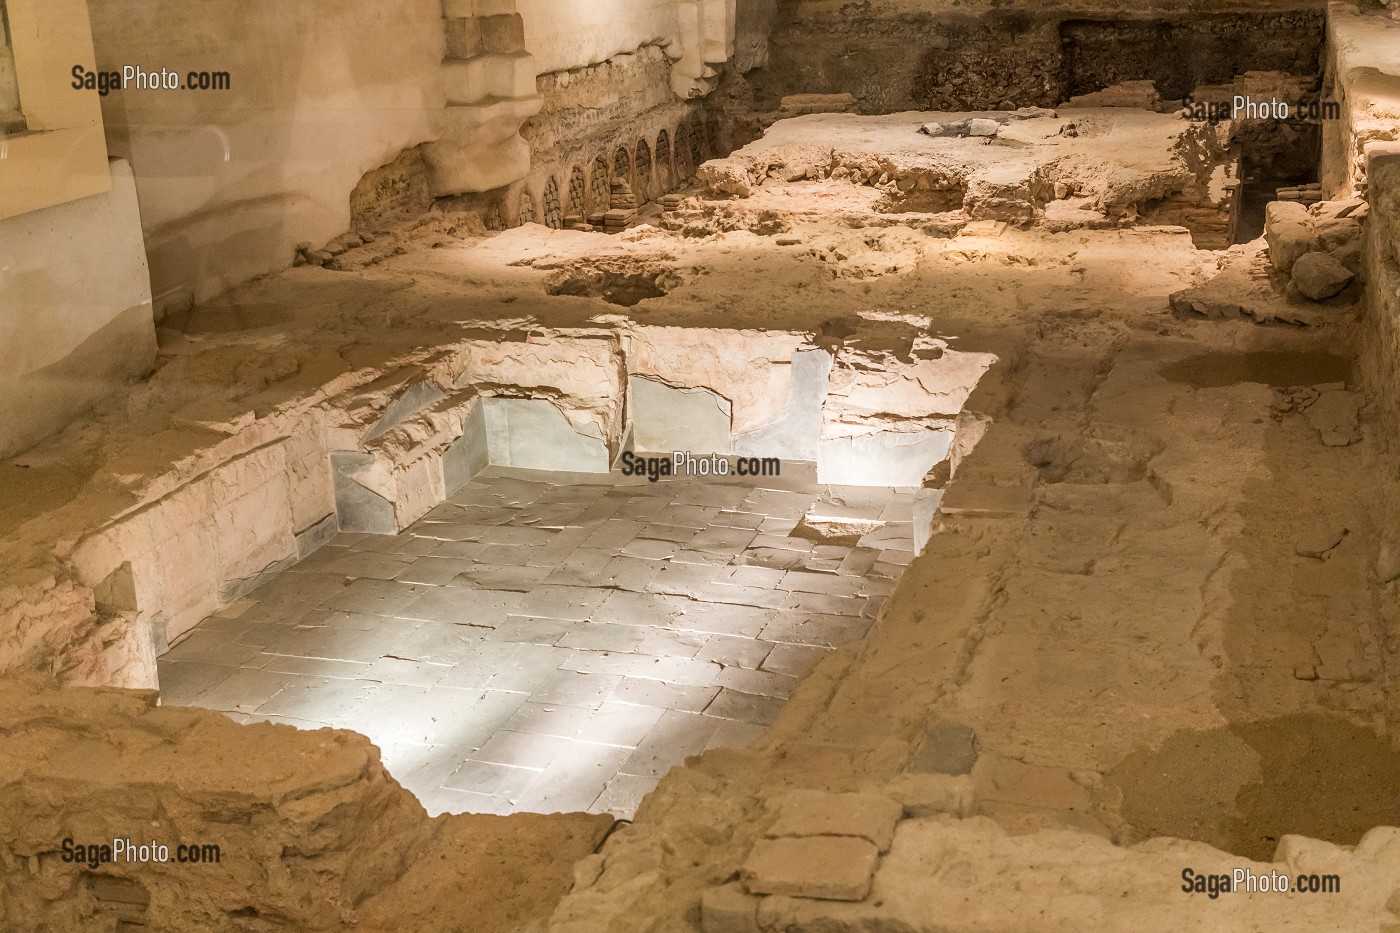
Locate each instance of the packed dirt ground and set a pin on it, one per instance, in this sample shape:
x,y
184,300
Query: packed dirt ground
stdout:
x,y
1147,608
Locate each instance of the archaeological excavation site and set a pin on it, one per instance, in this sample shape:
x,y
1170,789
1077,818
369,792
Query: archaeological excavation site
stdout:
x,y
700,466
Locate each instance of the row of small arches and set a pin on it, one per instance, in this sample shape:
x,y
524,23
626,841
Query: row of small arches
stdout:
x,y
650,170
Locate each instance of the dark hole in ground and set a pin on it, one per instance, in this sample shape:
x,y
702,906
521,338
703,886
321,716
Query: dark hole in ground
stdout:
x,y
1280,368
626,287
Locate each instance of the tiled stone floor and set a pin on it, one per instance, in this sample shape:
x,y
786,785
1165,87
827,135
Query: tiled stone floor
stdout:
x,y
550,641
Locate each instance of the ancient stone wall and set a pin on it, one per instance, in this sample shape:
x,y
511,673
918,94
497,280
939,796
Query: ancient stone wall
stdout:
x,y
231,180
282,829
975,57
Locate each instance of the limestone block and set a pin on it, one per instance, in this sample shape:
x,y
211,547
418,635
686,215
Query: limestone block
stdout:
x,y
814,813
1288,242
1277,212
983,128
925,795
1320,276
728,909
837,868
1337,232
666,418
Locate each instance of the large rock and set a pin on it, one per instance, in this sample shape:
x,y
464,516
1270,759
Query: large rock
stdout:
x,y
1289,241
1320,276
836,868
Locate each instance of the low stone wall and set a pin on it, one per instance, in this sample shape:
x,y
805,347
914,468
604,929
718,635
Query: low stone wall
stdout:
x,y
282,829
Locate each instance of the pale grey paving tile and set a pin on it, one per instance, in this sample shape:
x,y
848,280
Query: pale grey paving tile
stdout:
x,y
864,503
336,644
609,662
730,651
712,497
353,620
614,533
435,642
482,664
675,737
773,558
778,526
794,660
700,557
893,536
667,643
684,672
764,578
849,606
745,707
643,507
548,719
626,608
515,535
873,586
432,716
485,777
780,504
575,778
782,543
463,606
663,696
582,567
735,734
515,555
753,596
574,689
759,683
820,565
217,648
886,571
299,589
657,531
599,511
800,581
628,573
364,564
491,712
683,580
809,628
531,631
570,603
318,699
724,619
457,550
873,606
433,571
380,597
694,517
518,579
442,512
622,724
650,548
605,636
246,690
257,634
420,767
531,668
729,542
520,749
836,552
900,508
747,520
566,540
314,667
623,795
900,558
183,682
393,670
